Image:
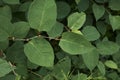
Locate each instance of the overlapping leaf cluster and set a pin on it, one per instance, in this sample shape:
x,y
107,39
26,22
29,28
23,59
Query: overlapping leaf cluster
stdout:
x,y
59,40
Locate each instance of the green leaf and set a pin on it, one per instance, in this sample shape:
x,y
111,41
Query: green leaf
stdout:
x,y
118,39
83,5
76,20
77,1
18,77
4,44
42,14
11,1
6,25
5,67
25,6
8,77
91,59
3,35
48,77
30,65
40,52
56,30
62,68
107,47
98,11
111,64
90,33
116,57
21,69
62,12
101,1
114,21
15,53
77,32
79,77
75,43
101,68
113,76
6,11
101,27
114,4
20,29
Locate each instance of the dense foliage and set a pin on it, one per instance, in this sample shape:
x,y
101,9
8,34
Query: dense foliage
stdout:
x,y
59,39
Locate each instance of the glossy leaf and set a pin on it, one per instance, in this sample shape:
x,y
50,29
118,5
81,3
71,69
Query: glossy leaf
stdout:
x,y
76,20
111,64
75,44
42,14
38,50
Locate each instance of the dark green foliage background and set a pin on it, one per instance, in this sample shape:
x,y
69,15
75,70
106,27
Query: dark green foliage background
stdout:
x,y
59,39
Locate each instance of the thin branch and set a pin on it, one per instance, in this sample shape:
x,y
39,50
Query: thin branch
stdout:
x,y
28,39
67,28
13,69
35,74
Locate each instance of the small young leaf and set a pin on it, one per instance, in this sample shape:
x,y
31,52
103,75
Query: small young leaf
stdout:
x,y
98,11
111,64
114,21
101,67
76,20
